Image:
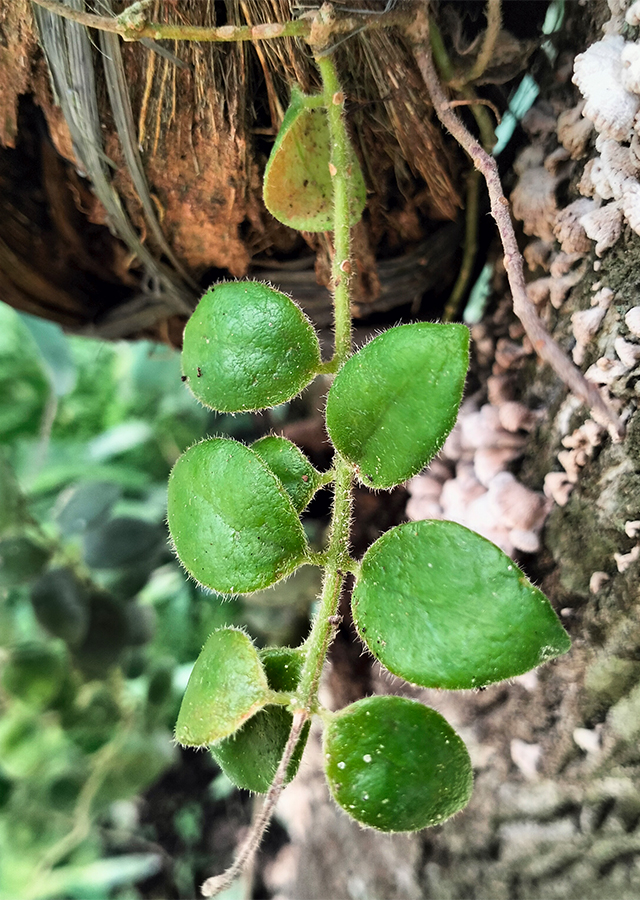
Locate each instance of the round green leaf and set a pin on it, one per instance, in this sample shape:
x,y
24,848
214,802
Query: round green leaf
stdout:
x,y
83,504
250,757
92,722
288,463
396,765
227,685
283,666
120,542
298,188
394,402
443,607
248,346
231,521
21,560
106,635
60,602
34,673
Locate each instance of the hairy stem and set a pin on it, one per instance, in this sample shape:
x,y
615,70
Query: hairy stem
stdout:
x,y
494,24
543,343
219,883
325,625
340,171
135,29
336,558
480,114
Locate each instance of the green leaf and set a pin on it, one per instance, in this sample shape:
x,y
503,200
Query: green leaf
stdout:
x,y
247,347
106,636
283,666
250,757
34,673
12,505
103,875
21,560
227,686
83,504
394,402
60,603
24,388
55,351
93,722
141,759
396,765
288,463
298,188
120,542
232,523
443,607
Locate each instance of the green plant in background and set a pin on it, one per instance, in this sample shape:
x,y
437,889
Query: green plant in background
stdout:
x,y
98,627
435,603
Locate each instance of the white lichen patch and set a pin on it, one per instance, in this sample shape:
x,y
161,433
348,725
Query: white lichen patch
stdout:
x,y
624,560
597,581
568,228
585,324
608,76
574,131
604,226
598,74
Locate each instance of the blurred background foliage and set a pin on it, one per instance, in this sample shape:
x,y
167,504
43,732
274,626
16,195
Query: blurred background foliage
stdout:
x,y
99,627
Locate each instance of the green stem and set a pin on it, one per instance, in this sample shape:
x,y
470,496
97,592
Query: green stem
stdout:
x,y
325,624
340,168
337,558
136,27
470,247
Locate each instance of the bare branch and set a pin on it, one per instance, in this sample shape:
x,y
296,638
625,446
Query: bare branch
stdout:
x,y
544,345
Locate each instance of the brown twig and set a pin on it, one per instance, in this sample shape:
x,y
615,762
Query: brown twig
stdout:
x,y
219,883
483,101
544,345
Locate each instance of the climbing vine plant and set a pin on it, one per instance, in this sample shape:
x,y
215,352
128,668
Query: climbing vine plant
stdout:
x,y
435,603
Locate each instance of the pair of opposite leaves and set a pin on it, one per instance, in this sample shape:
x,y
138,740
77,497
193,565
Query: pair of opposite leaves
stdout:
x,y
391,763
437,604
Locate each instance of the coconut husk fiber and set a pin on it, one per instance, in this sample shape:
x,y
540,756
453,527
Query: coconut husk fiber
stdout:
x,y
131,172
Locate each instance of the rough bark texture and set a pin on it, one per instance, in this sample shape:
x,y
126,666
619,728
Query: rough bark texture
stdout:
x,y
174,149
556,807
